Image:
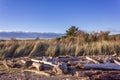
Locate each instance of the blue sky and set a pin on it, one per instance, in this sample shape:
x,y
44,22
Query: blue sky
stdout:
x,y
59,15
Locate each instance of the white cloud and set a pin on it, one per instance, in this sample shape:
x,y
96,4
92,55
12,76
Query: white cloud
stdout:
x,y
12,31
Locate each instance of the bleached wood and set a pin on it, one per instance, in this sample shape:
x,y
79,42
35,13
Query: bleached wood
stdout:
x,y
56,67
109,66
39,72
115,54
119,58
23,61
45,62
37,65
118,63
96,62
5,64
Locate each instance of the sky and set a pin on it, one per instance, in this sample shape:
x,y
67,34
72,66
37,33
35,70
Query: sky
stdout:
x,y
58,15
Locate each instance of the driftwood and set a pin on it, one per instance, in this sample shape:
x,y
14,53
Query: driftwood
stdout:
x,y
115,61
38,66
119,58
39,72
56,68
23,61
5,64
108,60
45,62
69,59
8,64
110,66
29,64
96,62
80,66
115,54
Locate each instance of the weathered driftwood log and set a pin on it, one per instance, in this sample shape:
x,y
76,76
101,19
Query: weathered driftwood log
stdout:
x,y
119,58
72,68
110,66
67,56
29,64
11,64
38,66
96,62
68,59
63,66
45,62
115,61
5,64
55,67
72,62
23,61
80,66
77,64
115,54
109,59
8,64
39,72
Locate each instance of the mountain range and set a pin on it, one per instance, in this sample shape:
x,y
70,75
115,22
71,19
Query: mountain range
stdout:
x,y
28,35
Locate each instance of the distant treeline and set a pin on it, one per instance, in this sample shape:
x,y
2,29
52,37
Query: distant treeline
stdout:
x,y
74,33
74,43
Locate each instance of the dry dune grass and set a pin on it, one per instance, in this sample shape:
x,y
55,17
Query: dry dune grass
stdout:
x,y
53,47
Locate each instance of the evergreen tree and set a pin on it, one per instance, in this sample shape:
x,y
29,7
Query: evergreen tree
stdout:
x,y
72,31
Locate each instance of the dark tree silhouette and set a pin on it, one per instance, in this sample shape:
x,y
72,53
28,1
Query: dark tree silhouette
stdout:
x,y
72,31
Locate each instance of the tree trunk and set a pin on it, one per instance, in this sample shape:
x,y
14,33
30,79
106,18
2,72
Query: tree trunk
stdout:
x,y
110,66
